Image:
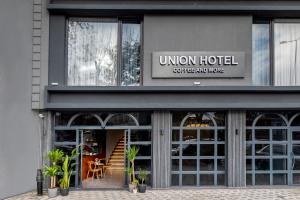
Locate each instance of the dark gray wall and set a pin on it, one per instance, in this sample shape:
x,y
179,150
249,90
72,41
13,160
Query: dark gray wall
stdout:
x,y
19,126
197,33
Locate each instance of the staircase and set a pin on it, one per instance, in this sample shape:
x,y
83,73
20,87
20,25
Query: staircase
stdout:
x,y
116,159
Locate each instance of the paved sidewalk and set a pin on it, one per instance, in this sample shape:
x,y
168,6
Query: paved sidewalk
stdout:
x,y
174,194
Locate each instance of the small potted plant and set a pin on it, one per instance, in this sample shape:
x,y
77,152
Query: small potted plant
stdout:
x,y
131,154
142,177
54,157
67,169
135,183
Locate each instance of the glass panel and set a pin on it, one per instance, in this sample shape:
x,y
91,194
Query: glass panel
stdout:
x,y
296,164
248,135
142,164
296,121
221,179
280,164
175,135
189,150
121,120
261,54
144,150
296,149
62,119
175,165
296,135
270,120
221,164
280,179
248,164
65,136
286,63
207,135
279,135
221,135
249,179
67,149
189,135
175,179
279,149
262,149
131,51
206,164
207,150
206,179
198,120
92,53
248,149
189,165
175,149
262,164
86,120
262,135
219,117
262,179
189,179
221,149
296,178
140,135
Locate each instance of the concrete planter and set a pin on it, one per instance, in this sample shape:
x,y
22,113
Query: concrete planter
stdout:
x,y
52,192
64,191
142,188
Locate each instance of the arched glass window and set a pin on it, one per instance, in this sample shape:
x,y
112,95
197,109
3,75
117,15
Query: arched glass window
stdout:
x,y
85,120
197,120
121,119
295,120
270,120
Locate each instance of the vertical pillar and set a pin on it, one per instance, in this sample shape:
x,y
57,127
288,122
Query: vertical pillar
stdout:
x,y
161,144
236,145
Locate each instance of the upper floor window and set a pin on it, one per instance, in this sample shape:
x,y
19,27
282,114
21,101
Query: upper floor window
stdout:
x,y
275,55
103,52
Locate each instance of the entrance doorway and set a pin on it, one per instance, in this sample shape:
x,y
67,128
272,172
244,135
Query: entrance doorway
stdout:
x,y
102,139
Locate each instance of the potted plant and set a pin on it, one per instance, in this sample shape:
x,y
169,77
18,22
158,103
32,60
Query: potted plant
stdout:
x,y
135,183
67,170
54,157
131,154
142,177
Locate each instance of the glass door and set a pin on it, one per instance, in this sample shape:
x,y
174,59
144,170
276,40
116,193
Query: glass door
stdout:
x,y
295,157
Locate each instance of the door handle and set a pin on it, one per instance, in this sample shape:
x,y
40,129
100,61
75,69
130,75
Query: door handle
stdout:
x,y
293,160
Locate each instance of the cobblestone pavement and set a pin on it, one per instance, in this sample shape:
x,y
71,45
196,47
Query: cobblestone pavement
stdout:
x,y
173,194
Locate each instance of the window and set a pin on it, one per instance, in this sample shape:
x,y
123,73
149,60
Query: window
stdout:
x,y
103,52
276,64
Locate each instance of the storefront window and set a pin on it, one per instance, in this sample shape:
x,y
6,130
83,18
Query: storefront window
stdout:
x,y
93,58
261,54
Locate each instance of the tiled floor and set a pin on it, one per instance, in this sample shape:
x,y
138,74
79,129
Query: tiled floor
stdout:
x,y
181,194
114,180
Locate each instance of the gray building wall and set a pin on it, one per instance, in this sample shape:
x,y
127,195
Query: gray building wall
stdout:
x,y
197,33
19,125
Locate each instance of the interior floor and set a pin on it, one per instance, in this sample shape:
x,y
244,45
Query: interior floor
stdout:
x,y
113,181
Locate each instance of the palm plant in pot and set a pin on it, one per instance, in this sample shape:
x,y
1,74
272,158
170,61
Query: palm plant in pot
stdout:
x,y
67,170
54,157
142,177
131,154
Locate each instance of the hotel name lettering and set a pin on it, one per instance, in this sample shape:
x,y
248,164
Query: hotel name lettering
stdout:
x,y
197,64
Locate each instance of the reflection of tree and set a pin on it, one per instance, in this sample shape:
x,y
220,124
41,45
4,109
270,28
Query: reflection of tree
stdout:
x,y
131,56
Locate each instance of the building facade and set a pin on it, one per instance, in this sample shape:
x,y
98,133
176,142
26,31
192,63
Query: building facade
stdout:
x,y
207,90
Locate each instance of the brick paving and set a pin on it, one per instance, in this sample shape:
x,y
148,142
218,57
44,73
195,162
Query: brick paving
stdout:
x,y
173,194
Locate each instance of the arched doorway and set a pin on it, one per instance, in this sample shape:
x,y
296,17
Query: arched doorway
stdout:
x,y
103,139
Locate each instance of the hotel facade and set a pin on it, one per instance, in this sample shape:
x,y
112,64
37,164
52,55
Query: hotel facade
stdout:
x,y
207,90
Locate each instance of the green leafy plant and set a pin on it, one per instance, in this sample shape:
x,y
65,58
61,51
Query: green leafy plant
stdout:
x,y
142,175
135,182
55,156
131,154
67,169
51,171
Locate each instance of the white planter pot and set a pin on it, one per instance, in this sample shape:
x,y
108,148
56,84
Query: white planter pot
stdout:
x,y
52,192
134,190
130,187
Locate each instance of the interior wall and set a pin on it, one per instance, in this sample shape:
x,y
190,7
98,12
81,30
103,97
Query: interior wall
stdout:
x,y
19,125
112,137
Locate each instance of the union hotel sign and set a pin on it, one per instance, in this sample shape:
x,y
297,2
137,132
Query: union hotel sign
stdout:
x,y
198,64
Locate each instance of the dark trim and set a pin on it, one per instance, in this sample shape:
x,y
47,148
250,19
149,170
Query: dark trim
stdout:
x,y
263,8
172,98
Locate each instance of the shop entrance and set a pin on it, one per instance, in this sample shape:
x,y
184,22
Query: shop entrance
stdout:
x,y
102,139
